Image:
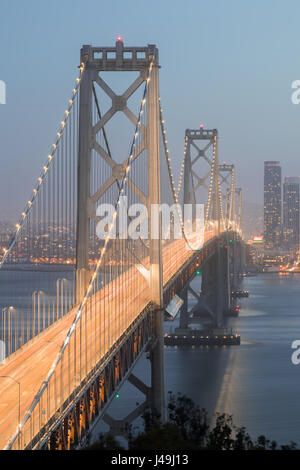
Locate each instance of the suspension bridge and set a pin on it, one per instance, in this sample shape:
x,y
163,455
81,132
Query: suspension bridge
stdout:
x,y
79,310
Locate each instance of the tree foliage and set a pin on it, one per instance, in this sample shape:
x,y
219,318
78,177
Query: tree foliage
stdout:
x,y
187,429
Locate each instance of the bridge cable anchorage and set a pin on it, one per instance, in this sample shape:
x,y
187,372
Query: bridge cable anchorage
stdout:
x,y
52,154
87,295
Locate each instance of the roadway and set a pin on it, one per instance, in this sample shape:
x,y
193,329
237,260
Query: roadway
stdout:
x,y
31,363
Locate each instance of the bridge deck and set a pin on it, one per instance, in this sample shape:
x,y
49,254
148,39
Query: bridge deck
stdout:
x,y
31,364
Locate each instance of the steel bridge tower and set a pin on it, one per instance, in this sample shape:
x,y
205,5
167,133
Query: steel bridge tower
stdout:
x,y
116,59
227,183
238,192
201,172
208,179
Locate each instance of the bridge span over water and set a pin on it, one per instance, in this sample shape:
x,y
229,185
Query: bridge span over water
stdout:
x,y
79,310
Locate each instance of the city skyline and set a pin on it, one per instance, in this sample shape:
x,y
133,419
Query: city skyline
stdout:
x,y
281,208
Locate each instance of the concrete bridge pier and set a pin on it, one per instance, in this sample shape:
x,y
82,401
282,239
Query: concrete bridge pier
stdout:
x,y
216,284
225,280
235,264
184,312
238,262
242,258
210,293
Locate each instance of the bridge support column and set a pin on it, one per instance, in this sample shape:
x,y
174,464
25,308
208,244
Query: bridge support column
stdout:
x,y
212,287
83,178
225,280
155,230
220,284
207,286
184,312
235,263
242,258
157,401
216,284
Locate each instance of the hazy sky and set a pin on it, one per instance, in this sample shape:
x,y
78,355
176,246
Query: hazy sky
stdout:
x,y
227,64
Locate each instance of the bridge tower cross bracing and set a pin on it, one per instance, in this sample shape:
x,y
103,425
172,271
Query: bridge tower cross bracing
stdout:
x,y
208,179
114,59
197,177
227,185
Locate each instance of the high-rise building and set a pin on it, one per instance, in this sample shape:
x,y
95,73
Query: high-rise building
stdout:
x,y
272,203
291,188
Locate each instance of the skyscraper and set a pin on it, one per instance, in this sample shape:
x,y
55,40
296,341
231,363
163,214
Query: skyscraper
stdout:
x,y
272,203
291,188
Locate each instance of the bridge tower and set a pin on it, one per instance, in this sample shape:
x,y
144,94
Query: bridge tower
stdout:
x,y
121,59
242,253
227,185
202,185
238,192
198,177
228,195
